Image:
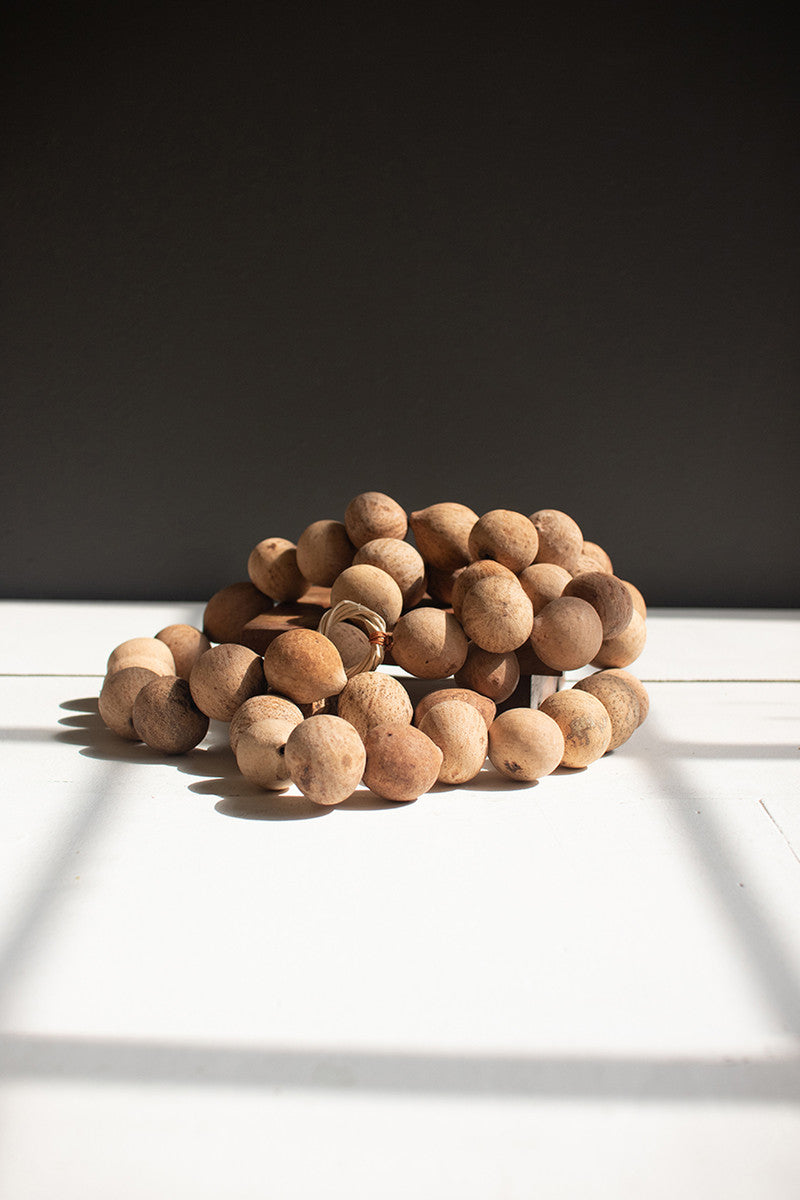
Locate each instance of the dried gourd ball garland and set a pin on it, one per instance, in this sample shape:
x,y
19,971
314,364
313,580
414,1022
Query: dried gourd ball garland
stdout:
x,y
480,613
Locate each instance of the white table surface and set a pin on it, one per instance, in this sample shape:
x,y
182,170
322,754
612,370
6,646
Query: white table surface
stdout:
x,y
588,987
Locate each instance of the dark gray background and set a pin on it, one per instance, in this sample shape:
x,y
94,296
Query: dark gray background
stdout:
x,y
261,257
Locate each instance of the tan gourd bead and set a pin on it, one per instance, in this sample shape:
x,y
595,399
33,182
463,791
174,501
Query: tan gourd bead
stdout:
x,y
166,718
619,700
429,643
460,732
326,759
584,722
402,762
371,587
117,697
442,583
224,677
638,599
481,569
261,708
525,744
261,753
441,532
142,652
374,698
351,642
560,538
567,633
608,596
598,556
507,537
486,707
543,582
272,567
399,559
304,665
489,674
323,551
638,687
229,610
186,645
373,515
624,649
497,614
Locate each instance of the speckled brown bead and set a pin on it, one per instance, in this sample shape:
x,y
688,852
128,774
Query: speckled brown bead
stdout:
x,y
166,718
117,698
608,596
507,537
560,538
567,633
441,532
489,674
262,708
497,615
470,575
543,582
525,744
429,643
142,652
402,762
460,732
224,677
229,610
486,707
261,753
399,559
373,515
186,645
326,759
272,567
372,587
304,665
620,701
584,722
374,698
624,649
323,551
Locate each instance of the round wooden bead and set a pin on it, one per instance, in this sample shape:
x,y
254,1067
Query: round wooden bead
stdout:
x,y
441,532
323,551
489,674
186,645
166,718
142,652
224,677
638,687
486,707
567,633
624,649
326,759
619,700
460,732
304,665
507,537
400,560
525,744
608,596
497,614
597,557
229,610
373,588
261,753
481,569
374,698
637,599
584,722
261,708
117,698
373,515
441,584
272,567
543,582
429,643
560,538
402,762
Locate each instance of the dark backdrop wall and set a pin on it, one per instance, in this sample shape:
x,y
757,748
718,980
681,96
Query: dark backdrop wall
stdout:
x,y
259,257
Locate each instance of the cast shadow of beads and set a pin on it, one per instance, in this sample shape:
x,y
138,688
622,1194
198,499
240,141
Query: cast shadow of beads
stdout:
x,y
95,740
487,780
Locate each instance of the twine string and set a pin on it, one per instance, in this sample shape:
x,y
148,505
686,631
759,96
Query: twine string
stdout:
x,y
373,625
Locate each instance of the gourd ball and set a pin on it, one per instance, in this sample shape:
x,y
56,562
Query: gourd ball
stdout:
x,y
470,575
261,708
166,718
371,587
351,642
186,644
272,567
373,515
486,707
619,700
560,538
637,598
429,643
597,556
261,753
460,732
441,532
507,537
402,762
543,582
142,652
634,682
497,615
304,665
224,677
323,551
584,722
374,698
624,649
326,759
229,610
399,559
117,697
567,633
525,744
489,674
442,583
608,596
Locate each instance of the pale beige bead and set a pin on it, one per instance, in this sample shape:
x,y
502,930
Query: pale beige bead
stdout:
x,y
186,644
373,515
560,538
429,643
584,722
507,537
262,708
304,665
326,759
481,569
460,732
224,677
543,582
372,587
166,718
637,598
402,762
261,753
634,682
489,674
272,567
147,652
486,707
351,642
624,649
619,699
525,744
374,698
597,555
323,551
441,532
497,615
567,633
399,559
229,610
117,698
608,596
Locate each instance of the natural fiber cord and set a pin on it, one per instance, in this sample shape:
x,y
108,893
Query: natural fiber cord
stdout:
x,y
371,622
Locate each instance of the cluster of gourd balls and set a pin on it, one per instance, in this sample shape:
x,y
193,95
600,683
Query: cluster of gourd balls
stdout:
x,y
489,601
